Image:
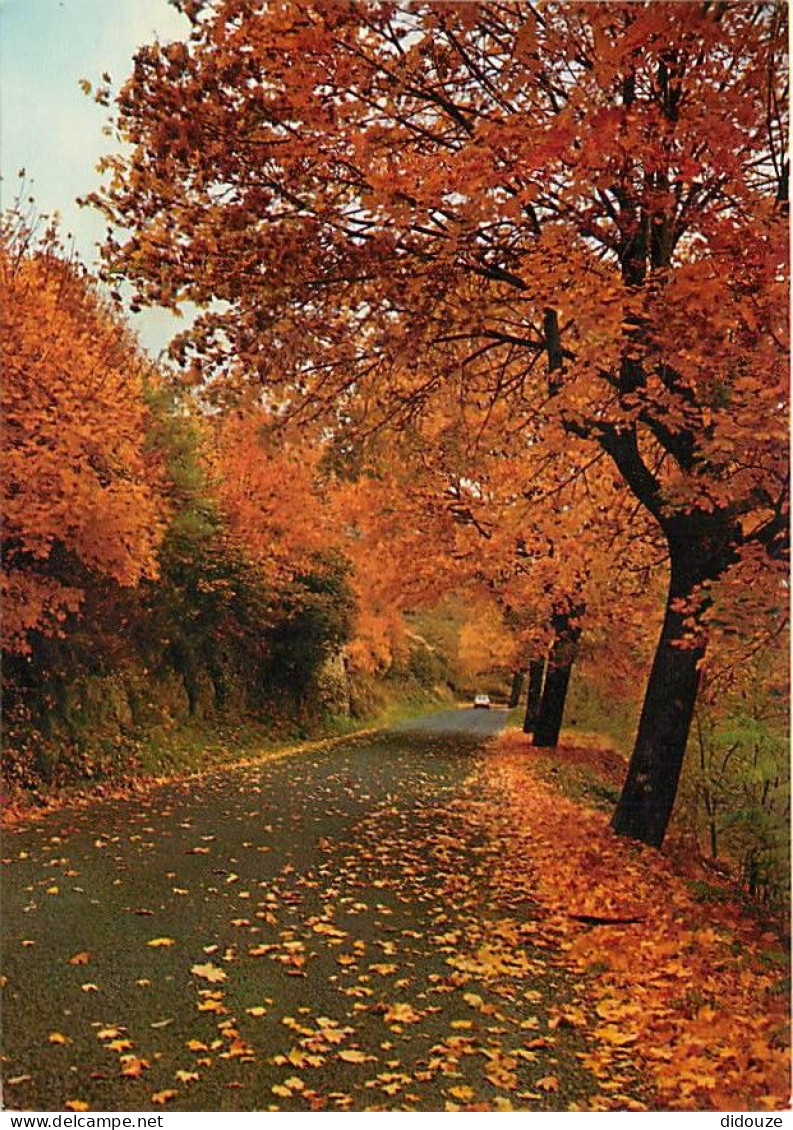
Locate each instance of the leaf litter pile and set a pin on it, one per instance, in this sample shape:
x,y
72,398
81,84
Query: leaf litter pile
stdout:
x,y
697,995
388,928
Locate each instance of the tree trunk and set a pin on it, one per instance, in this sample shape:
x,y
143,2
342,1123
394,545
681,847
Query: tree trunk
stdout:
x,y
567,632
648,796
517,687
551,711
536,672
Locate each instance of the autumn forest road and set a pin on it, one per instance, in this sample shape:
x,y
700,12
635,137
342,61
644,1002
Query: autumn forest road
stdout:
x,y
316,932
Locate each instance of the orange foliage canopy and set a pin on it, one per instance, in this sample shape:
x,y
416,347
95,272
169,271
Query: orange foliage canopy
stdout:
x,y
79,491
291,510
568,219
403,208
271,493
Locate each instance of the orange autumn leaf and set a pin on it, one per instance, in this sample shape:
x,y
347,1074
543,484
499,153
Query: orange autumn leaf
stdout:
x,y
159,1098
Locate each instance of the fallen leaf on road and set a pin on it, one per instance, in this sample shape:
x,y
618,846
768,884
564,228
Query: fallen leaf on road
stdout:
x,y
121,1045
614,1035
548,1083
132,1067
209,972
464,1094
350,1055
401,1014
162,1097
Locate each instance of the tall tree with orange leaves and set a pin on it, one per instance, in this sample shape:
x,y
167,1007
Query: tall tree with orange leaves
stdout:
x,y
570,217
80,495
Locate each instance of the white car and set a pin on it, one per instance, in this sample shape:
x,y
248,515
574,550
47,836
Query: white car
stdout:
x,y
482,702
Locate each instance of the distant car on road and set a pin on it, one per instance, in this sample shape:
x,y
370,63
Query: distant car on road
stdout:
x,y
482,702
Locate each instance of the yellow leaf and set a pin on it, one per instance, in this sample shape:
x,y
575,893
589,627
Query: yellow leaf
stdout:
x,y
162,1097
209,972
351,1055
328,929
212,1006
257,1010
90,987
186,1076
57,1038
464,1094
401,1014
120,1045
157,942
81,958
76,1104
618,1037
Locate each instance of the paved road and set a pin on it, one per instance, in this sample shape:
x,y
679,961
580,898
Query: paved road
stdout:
x,y
317,932
465,720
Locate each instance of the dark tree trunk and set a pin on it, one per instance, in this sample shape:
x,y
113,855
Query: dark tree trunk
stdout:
x,y
517,687
648,795
567,632
536,672
700,548
551,711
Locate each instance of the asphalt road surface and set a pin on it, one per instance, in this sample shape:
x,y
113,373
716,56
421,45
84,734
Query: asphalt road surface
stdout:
x,y
465,720
315,932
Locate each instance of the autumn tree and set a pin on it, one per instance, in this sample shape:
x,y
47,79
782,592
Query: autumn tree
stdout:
x,y
567,555
574,210
81,496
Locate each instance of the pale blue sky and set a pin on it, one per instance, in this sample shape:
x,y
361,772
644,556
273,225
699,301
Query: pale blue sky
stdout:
x,y
49,127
